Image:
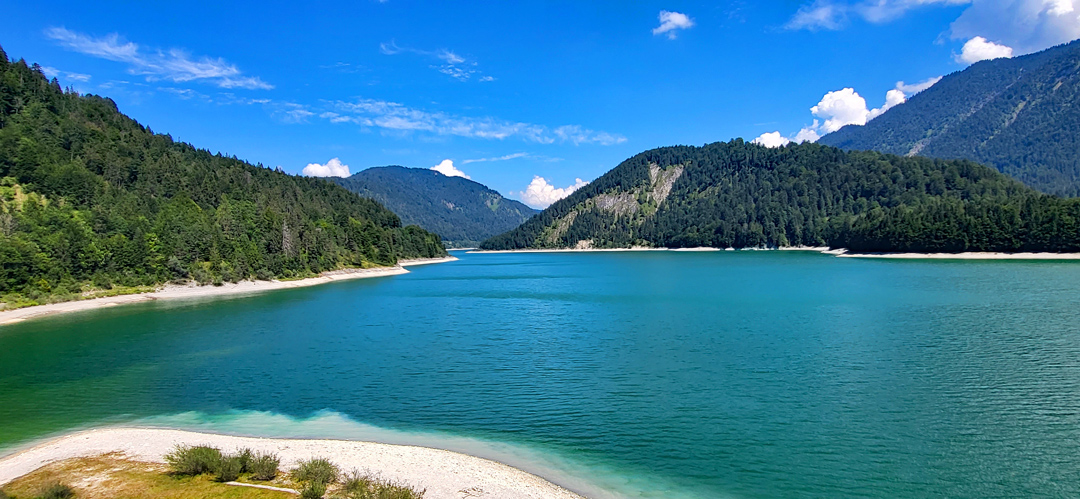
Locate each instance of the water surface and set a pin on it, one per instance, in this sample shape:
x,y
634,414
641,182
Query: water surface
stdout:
x,y
654,374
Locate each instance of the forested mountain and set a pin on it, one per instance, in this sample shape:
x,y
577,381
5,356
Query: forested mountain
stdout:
x,y
1020,115
463,212
90,199
738,194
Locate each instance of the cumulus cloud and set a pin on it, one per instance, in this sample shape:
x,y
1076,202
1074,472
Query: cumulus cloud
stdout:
x,y
446,167
844,107
398,117
173,65
541,194
980,49
332,168
772,139
671,23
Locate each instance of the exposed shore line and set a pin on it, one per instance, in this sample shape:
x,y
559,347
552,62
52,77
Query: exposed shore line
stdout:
x,y
176,291
840,252
443,473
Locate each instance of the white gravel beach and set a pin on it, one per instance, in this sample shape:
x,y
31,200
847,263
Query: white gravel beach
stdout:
x,y
172,291
445,474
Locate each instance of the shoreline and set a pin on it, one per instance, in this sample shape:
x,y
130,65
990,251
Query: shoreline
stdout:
x,y
191,290
443,473
840,252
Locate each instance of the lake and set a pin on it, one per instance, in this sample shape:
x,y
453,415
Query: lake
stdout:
x,y
630,374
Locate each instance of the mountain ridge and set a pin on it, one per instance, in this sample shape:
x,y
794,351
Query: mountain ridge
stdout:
x,y
742,195
1019,115
462,211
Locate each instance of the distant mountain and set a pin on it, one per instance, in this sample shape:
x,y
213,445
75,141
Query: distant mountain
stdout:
x,y
738,194
90,199
463,212
1020,115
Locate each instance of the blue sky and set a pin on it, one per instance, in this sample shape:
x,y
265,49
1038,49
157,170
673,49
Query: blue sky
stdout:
x,y
511,91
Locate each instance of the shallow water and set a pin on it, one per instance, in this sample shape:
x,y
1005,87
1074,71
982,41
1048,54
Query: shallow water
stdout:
x,y
653,374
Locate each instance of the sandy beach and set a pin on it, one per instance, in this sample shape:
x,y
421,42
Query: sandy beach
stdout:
x,y
445,474
960,256
840,252
173,291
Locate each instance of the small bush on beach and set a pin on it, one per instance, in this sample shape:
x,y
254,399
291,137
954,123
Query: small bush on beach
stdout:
x,y
264,466
56,491
186,460
229,468
356,485
245,456
317,470
3,495
313,490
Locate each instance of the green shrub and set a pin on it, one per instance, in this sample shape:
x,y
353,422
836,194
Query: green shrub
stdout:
x,y
229,468
317,470
186,460
3,495
355,484
313,490
56,491
245,456
358,486
264,466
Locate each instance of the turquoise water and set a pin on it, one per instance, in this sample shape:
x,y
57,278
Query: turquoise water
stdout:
x,y
652,374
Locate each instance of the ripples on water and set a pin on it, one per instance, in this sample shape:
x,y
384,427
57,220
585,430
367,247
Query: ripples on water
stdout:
x,y
641,374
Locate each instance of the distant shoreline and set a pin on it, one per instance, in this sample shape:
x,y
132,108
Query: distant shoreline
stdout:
x,y
842,253
443,473
174,291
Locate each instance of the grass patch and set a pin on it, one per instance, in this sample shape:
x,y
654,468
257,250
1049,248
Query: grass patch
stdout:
x,y
56,490
313,490
111,477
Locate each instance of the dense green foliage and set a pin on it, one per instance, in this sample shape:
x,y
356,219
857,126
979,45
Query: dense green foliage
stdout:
x,y
193,460
1020,115
89,198
459,210
738,194
317,470
264,466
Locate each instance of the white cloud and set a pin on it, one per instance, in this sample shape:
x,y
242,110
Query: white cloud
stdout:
x,y
980,49
820,14
772,139
499,158
671,22
839,108
454,65
808,134
447,168
914,88
845,107
173,65
541,194
332,168
579,135
1024,25
395,116
52,72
